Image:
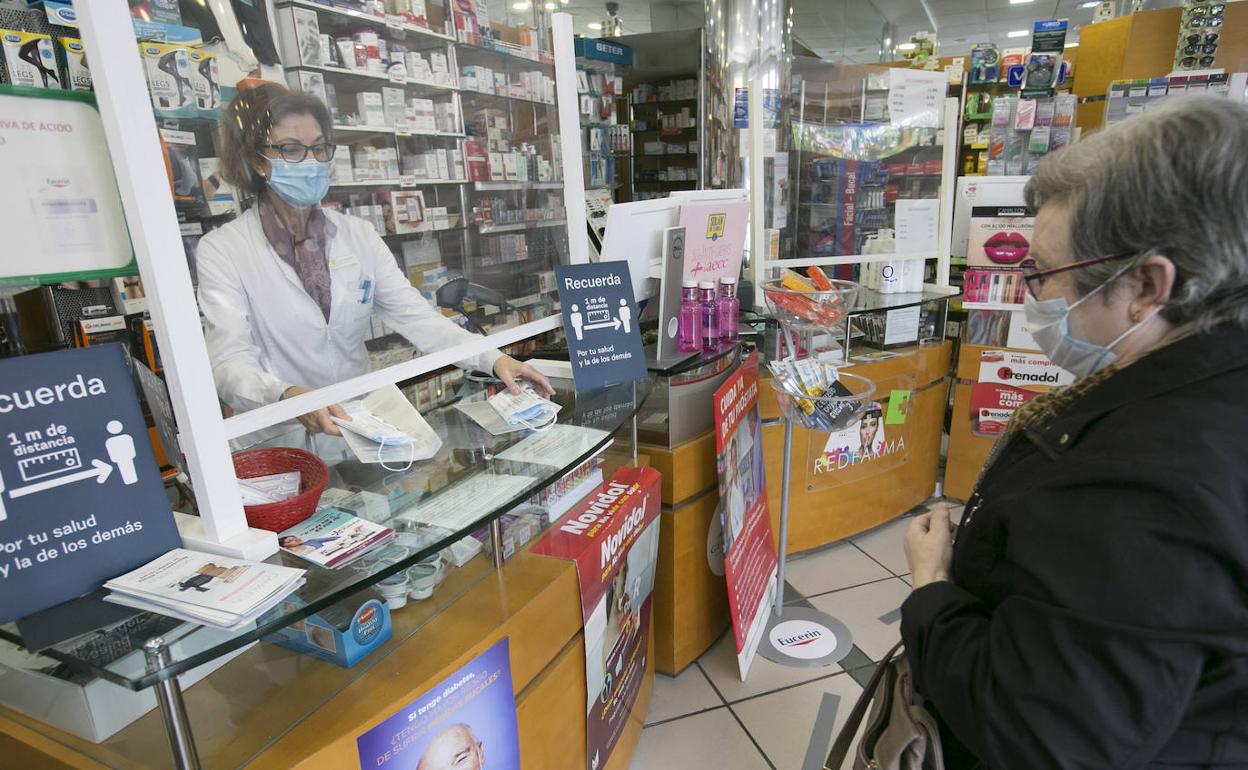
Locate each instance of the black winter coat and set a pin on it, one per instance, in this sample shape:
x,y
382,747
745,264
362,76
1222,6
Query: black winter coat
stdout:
x,y
1098,612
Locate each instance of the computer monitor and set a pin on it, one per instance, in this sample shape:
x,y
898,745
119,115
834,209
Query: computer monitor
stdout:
x,y
635,233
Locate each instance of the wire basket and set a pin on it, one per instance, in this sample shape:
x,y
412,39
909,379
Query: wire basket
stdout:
x,y
827,413
313,477
805,312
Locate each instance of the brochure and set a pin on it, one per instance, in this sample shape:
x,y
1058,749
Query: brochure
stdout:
x,y
333,538
205,588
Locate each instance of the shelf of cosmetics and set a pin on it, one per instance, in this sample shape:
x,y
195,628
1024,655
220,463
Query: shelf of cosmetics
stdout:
x,y
684,89
1012,135
403,212
1129,97
470,161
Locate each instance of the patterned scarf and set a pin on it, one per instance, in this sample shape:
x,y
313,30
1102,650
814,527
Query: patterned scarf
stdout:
x,y
307,257
1045,408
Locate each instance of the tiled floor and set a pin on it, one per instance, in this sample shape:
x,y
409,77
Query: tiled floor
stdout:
x,y
783,718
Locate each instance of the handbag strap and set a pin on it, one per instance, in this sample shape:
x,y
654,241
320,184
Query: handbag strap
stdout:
x,y
840,748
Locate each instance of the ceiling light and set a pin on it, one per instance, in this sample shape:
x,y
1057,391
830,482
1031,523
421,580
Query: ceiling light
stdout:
x,y
594,25
1073,44
1018,33
907,47
1091,4
551,6
520,6
1020,2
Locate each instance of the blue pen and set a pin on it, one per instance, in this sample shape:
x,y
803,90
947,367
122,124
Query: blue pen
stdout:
x,y
367,287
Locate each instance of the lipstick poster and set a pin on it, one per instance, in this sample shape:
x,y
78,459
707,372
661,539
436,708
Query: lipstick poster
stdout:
x,y
1000,237
613,536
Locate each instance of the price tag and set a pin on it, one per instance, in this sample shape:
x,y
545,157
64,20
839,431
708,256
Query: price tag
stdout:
x,y
397,79
407,180
395,24
402,132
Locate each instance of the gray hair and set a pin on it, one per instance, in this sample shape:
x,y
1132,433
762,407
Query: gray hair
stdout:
x,y
1174,182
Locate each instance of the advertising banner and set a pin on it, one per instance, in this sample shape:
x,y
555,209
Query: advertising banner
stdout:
x,y
81,498
714,238
600,321
750,554
613,536
1006,382
468,720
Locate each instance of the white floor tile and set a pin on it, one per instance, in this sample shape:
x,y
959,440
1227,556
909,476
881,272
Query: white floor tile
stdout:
x,y
884,544
676,697
720,664
831,569
712,739
783,722
861,609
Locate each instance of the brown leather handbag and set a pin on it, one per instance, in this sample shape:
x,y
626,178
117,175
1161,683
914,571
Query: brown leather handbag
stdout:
x,y
900,733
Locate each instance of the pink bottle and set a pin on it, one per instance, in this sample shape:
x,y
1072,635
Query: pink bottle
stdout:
x,y
729,310
690,329
710,315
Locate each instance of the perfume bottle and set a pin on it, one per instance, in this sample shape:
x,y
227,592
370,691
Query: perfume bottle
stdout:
x,y
690,329
729,309
710,315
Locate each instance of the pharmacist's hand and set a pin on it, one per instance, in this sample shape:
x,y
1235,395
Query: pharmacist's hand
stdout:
x,y
929,546
509,370
318,421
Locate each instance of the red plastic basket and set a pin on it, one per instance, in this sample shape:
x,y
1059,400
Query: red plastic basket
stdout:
x,y
314,476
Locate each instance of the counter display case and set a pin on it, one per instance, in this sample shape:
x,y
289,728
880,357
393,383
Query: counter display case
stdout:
x,y
472,490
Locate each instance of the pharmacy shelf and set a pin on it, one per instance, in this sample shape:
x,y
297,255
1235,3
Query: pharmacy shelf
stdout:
x,y
521,226
393,24
1012,307
396,183
546,60
468,92
504,186
662,102
380,77
392,131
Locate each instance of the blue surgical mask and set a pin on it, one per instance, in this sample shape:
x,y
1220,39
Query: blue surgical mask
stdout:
x,y
301,184
1049,322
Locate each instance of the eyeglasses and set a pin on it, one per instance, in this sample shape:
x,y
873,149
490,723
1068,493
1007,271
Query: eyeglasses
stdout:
x,y
1188,62
1035,278
1192,50
1210,38
295,152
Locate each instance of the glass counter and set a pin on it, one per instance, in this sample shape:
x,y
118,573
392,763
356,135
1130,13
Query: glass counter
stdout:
x,y
474,480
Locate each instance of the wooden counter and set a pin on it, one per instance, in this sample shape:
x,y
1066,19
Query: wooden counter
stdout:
x,y
830,501
274,708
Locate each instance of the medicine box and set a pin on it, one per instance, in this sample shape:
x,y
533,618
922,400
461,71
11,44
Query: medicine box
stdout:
x,y
38,67
299,35
496,167
370,108
307,82
393,105
343,633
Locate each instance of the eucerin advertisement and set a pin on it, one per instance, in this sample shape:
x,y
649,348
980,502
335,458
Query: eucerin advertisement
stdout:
x,y
613,536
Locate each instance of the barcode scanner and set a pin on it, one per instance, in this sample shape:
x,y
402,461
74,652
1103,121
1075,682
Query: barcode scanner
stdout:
x,y
31,54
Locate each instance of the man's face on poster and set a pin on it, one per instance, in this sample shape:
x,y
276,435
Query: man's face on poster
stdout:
x,y
454,748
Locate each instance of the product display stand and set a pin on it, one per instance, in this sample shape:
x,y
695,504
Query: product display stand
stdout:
x,y
802,636
172,707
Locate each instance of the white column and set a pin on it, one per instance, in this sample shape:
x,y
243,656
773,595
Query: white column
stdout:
x,y
134,147
570,137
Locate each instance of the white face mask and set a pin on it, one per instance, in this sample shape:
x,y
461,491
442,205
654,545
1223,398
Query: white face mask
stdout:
x,y
1050,327
525,409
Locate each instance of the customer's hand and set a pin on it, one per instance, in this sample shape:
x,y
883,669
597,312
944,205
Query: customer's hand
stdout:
x,y
318,421
509,370
929,546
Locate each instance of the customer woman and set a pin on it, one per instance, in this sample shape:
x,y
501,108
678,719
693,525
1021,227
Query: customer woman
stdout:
x,y
1093,611
287,289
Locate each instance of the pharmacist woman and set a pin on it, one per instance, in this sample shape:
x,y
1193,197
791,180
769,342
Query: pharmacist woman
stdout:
x,y
287,289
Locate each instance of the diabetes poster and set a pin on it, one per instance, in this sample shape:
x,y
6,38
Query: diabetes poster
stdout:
x,y
749,552
81,499
465,722
613,536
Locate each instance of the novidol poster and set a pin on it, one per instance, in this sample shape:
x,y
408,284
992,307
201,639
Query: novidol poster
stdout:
x,y
466,722
613,536
750,554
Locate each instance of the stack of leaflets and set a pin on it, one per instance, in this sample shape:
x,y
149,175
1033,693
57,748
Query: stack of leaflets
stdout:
x,y
205,588
830,404
333,538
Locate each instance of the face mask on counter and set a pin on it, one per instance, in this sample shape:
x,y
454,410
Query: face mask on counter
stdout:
x,y
526,409
301,184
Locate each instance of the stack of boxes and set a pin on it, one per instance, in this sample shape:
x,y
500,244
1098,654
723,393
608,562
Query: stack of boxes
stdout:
x,y
534,85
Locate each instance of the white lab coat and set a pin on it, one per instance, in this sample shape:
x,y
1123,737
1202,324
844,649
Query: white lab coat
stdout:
x,y
265,333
